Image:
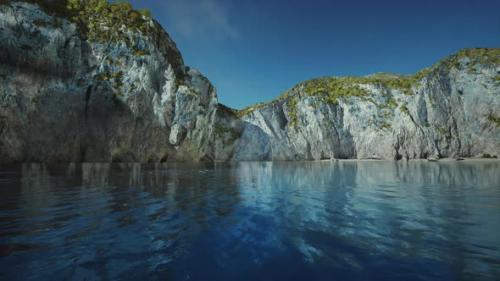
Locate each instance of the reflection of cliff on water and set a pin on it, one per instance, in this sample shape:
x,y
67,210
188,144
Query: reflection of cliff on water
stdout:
x,y
183,185
389,207
344,213
160,207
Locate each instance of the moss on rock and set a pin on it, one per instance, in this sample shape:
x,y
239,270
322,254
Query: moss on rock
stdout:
x,y
494,119
403,108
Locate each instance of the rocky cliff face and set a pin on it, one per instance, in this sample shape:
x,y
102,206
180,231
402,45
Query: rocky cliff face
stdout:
x,y
66,96
448,110
115,89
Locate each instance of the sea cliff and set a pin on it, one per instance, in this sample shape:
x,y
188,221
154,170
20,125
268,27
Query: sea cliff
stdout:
x,y
106,83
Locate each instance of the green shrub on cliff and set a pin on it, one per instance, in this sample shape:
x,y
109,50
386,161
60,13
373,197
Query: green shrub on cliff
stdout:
x,y
98,20
334,88
484,56
252,108
471,58
292,111
494,119
403,108
107,22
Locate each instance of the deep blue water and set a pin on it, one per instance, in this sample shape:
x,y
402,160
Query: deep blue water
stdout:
x,y
251,221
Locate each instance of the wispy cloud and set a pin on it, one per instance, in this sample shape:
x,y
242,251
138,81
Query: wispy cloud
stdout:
x,y
193,19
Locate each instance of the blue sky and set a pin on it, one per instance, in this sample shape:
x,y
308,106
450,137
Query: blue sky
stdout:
x,y
254,50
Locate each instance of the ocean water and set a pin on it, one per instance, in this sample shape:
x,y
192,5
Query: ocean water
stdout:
x,y
344,220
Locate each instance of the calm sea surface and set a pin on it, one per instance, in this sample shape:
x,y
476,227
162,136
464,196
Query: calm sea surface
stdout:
x,y
251,221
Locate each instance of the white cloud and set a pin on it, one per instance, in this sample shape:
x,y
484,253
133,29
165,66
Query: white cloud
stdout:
x,y
200,18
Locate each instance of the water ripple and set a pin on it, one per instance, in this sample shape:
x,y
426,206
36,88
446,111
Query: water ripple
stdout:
x,y
251,221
